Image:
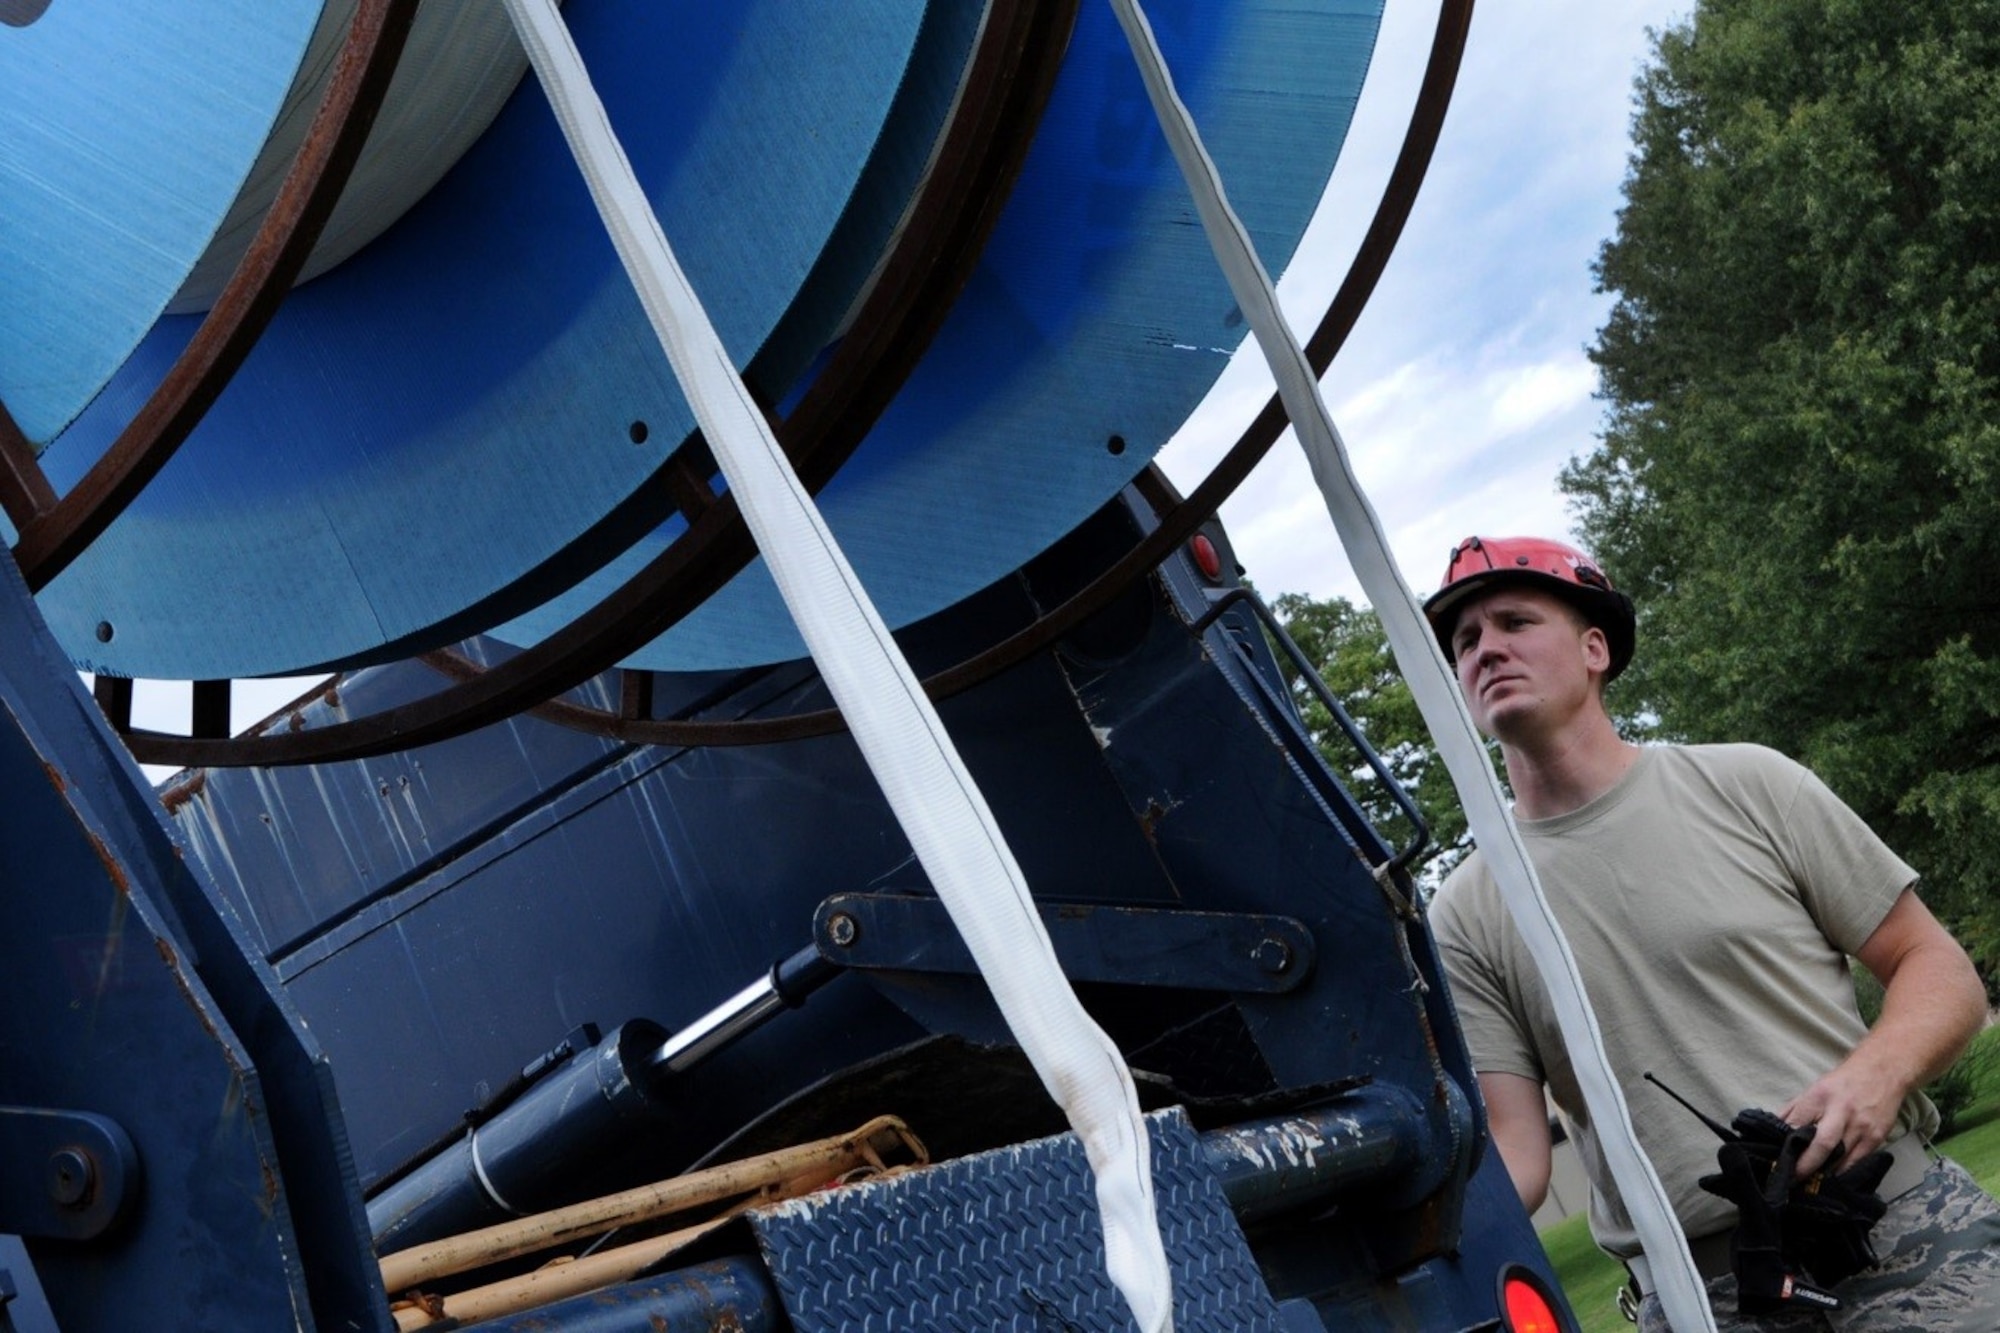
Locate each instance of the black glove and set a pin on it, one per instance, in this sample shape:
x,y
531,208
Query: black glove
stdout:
x,y
1767,1278
1794,1238
1827,1218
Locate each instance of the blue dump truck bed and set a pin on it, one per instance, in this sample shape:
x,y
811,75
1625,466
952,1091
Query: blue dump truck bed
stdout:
x,y
495,930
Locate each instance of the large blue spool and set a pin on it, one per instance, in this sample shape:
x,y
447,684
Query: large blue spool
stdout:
x,y
449,412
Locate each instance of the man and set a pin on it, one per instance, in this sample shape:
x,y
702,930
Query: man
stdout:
x,y
1712,896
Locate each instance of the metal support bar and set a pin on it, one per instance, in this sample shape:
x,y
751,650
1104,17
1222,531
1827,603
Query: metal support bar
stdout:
x,y
734,1294
1420,832
25,493
786,986
209,713
114,696
635,694
1131,946
1303,1161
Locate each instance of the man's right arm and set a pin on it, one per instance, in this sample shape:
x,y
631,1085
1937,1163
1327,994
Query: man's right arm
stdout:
x,y
1518,1115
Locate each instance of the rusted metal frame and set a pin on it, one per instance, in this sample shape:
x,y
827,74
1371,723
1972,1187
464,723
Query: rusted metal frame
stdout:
x,y
56,536
635,694
114,696
636,613
24,488
1178,523
1012,76
208,708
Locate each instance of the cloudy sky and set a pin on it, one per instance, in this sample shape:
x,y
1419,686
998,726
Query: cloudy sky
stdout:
x,y
1464,387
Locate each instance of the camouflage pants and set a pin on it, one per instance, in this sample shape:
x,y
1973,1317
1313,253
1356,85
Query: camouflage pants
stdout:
x,y
1939,1272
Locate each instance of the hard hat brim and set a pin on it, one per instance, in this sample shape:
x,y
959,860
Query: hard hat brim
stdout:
x,y
1609,610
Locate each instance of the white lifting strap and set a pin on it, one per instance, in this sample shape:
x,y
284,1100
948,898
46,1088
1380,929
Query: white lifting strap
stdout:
x,y
934,799
1432,683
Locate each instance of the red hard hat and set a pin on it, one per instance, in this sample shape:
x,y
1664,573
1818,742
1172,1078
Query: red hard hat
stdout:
x,y
1478,564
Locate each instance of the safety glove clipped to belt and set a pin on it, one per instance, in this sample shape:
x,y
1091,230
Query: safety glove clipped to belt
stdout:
x,y
1766,1278
1827,1216
1794,1238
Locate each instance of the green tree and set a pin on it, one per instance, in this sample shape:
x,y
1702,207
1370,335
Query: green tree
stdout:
x,y
1802,439
1346,645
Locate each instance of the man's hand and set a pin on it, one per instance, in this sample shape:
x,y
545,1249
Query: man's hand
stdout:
x,y
1854,1109
1932,1004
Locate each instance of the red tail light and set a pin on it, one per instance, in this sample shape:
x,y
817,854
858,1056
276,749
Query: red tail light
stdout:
x,y
1526,1304
1206,558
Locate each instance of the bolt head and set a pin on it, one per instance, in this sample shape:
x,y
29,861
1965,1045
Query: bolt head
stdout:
x,y
842,929
1272,955
72,1177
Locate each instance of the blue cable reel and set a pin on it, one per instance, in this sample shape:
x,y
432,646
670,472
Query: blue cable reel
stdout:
x,y
422,443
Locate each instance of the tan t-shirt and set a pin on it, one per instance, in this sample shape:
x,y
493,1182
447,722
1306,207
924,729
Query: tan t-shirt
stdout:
x,y
1711,899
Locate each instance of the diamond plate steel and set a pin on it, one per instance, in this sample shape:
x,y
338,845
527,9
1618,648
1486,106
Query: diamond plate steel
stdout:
x,y
1010,1240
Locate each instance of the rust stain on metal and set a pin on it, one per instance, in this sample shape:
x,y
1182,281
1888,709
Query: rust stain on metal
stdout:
x,y
201,1014
1431,1226
178,795
112,869
55,777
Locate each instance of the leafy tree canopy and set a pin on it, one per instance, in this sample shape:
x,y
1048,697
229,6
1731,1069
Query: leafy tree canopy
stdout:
x,y
1797,478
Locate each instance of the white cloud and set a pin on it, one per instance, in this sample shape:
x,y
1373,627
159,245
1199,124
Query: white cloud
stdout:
x,y
1527,396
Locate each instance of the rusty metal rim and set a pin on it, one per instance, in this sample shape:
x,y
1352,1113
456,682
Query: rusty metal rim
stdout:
x,y
24,487
1178,518
57,531
1013,74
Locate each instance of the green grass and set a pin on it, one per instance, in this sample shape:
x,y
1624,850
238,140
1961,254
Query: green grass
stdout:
x,y
1591,1278
1978,1151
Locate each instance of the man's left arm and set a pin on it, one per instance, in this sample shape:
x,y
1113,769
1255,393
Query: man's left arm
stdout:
x,y
1932,1005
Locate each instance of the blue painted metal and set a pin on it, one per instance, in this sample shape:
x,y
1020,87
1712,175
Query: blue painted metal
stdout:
x,y
439,917
129,131
442,916
727,1296
1131,946
452,408
148,1010
428,922
68,1175
1299,1164
423,443
1094,324
1008,1240
529,1157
